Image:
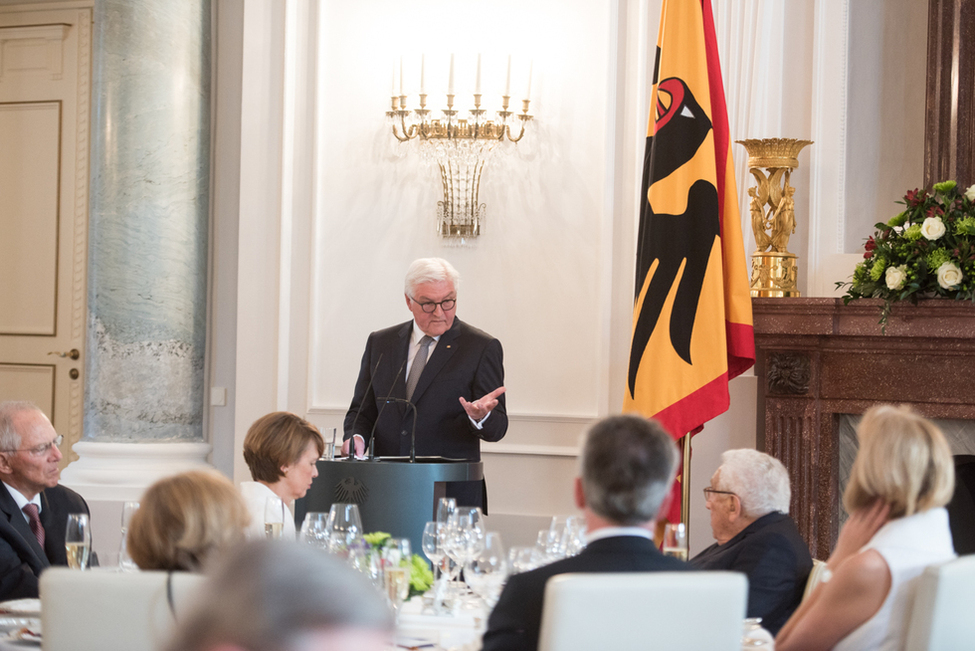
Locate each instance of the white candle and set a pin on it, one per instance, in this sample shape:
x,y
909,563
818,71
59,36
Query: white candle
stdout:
x,y
450,77
507,80
528,92
423,74
477,77
401,77
392,85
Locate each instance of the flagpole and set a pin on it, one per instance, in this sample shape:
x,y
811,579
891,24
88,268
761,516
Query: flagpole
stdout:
x,y
685,487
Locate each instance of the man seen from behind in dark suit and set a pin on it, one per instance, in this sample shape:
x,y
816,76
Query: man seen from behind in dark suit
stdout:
x,y
627,466
749,503
33,507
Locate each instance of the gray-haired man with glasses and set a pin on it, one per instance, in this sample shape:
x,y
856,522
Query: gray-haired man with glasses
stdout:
x,y
450,371
33,507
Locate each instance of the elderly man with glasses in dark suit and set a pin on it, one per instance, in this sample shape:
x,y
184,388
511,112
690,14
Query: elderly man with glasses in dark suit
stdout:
x,y
33,507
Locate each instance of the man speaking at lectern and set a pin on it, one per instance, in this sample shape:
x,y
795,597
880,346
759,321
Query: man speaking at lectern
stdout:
x,y
450,371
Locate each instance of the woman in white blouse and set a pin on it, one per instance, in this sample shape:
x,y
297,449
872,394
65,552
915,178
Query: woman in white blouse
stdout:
x,y
282,452
901,479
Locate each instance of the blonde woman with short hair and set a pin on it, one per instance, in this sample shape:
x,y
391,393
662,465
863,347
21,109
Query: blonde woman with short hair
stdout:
x,y
901,480
185,519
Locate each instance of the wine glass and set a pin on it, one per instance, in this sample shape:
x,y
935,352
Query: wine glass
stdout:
x,y
675,540
77,541
314,530
446,507
273,517
485,572
344,527
125,562
431,542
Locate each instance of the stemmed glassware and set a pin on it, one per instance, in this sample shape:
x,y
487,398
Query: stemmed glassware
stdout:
x,y
125,562
344,527
314,530
274,517
396,562
675,540
77,541
486,571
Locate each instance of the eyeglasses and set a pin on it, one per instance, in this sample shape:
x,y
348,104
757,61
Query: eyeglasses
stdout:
x,y
446,305
41,449
708,492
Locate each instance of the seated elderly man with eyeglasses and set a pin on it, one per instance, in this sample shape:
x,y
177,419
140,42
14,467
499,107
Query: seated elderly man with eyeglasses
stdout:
x,y
749,503
34,507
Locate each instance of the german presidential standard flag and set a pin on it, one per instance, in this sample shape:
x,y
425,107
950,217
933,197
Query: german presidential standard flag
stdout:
x,y
692,317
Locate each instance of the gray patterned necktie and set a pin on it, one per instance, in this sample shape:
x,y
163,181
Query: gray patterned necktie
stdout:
x,y
418,363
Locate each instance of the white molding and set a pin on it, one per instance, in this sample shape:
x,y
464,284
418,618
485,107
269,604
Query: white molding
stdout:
x,y
515,449
122,471
564,419
827,219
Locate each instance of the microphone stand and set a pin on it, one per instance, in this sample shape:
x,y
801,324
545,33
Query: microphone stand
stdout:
x,y
359,410
413,429
372,433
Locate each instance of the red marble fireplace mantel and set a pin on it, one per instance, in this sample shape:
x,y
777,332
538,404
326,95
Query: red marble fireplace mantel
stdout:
x,y
818,358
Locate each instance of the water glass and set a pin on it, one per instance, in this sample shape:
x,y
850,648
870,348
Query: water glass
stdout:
x,y
77,541
274,517
675,540
344,527
125,562
446,507
485,573
314,530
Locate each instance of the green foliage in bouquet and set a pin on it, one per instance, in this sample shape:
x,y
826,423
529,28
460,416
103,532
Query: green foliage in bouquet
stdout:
x,y
927,250
421,577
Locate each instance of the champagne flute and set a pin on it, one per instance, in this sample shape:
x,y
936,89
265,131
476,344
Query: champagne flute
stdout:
x,y
675,540
396,559
125,562
77,541
273,517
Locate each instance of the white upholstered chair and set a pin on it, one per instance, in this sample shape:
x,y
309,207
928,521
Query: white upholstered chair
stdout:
x,y
942,618
642,610
103,610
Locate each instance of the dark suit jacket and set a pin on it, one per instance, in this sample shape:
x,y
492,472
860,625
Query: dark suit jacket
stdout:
x,y
776,560
516,619
21,559
466,362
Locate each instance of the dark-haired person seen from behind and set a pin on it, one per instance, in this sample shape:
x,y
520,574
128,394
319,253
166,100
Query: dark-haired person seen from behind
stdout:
x,y
749,503
450,371
33,507
627,466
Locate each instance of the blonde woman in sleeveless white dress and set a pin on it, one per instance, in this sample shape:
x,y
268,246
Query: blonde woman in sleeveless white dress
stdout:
x,y
901,480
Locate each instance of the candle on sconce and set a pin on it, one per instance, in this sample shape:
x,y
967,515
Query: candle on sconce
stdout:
x,y
423,74
477,77
392,85
507,79
450,77
401,76
528,91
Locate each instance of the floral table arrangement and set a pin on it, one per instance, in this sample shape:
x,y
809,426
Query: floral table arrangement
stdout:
x,y
421,577
925,251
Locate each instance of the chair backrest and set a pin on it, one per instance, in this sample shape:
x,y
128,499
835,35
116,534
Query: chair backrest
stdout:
x,y
104,610
642,610
941,619
815,575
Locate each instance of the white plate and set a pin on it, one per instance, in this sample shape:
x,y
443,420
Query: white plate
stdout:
x,y
26,637
21,607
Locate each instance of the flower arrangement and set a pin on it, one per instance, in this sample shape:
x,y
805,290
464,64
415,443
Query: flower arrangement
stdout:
x,y
927,250
421,577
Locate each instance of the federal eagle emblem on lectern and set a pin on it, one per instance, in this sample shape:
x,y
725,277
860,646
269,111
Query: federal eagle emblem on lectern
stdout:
x,y
351,491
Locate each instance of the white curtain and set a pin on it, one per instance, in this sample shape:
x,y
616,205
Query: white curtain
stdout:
x,y
751,44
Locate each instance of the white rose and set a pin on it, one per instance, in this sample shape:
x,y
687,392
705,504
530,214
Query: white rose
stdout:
x,y
949,275
970,193
896,276
933,228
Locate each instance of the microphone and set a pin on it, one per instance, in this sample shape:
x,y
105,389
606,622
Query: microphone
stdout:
x,y
372,433
413,429
359,410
